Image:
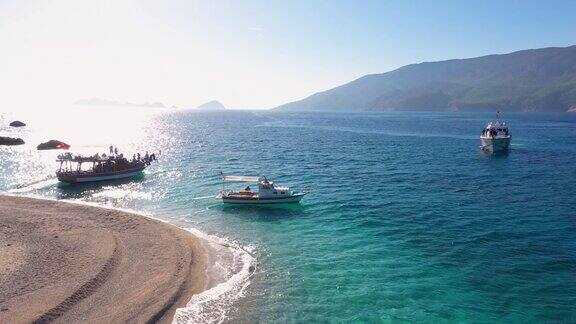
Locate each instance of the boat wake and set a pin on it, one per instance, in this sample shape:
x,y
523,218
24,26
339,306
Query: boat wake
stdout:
x,y
230,267
203,197
31,186
366,131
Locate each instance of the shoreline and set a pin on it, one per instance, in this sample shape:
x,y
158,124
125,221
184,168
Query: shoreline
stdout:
x,y
77,262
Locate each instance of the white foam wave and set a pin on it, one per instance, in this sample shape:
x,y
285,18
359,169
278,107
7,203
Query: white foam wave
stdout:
x,y
232,267
203,197
124,194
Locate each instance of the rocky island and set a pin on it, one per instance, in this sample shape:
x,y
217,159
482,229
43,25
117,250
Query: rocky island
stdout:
x,y
211,105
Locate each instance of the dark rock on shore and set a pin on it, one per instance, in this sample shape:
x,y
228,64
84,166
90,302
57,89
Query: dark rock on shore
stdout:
x,y
11,141
52,145
17,123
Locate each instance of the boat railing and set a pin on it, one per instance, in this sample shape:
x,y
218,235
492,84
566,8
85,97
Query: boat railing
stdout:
x,y
92,171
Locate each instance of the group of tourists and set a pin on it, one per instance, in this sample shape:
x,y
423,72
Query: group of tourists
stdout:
x,y
112,162
492,132
136,158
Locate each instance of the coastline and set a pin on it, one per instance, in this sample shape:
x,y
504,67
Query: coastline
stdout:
x,y
73,262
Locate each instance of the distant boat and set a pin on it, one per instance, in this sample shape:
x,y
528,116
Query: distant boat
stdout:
x,y
267,193
103,168
496,136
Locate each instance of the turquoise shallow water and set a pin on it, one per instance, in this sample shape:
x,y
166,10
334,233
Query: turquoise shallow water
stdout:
x,y
405,220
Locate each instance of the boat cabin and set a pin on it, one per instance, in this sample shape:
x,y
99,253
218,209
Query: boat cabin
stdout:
x,y
267,191
496,129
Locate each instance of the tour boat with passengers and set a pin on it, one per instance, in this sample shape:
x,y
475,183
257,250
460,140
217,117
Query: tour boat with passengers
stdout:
x,y
100,168
268,192
496,136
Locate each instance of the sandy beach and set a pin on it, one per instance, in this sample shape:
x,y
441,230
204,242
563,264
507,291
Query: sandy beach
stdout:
x,y
74,263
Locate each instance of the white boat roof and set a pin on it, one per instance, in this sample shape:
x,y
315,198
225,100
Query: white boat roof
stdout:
x,y
496,123
241,178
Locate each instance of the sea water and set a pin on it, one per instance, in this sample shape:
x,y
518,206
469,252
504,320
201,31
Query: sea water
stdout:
x,y
405,219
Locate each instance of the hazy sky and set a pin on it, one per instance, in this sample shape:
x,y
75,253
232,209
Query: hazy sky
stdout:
x,y
247,54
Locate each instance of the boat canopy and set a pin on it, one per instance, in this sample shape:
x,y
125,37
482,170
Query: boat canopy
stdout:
x,y
69,157
241,178
81,159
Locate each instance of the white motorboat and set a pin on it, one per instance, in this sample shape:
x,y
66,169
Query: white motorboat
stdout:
x,y
496,136
267,192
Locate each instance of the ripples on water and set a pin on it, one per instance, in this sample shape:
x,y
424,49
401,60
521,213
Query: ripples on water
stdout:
x,y
406,218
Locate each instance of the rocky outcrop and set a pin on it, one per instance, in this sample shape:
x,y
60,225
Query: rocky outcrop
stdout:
x,y
11,141
52,145
212,105
17,123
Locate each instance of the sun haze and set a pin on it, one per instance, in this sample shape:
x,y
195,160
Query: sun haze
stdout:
x,y
255,54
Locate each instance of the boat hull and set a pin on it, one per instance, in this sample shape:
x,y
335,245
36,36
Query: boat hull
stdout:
x,y
73,177
263,201
497,144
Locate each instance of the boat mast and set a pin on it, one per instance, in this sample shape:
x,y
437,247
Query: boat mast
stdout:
x,y
223,180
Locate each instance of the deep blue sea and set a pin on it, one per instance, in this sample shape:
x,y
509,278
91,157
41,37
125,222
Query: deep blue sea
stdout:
x,y
406,219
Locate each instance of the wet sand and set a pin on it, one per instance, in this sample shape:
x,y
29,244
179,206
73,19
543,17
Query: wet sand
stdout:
x,y
74,263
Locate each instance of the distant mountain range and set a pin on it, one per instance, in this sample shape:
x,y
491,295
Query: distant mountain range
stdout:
x,y
530,80
211,105
106,102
